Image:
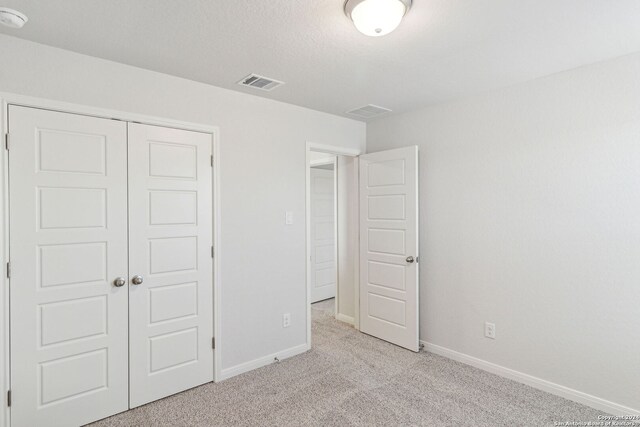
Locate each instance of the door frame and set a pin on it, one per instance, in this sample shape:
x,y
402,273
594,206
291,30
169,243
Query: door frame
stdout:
x,y
336,151
46,104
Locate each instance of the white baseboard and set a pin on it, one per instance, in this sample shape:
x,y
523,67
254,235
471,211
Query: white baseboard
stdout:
x,y
262,361
540,384
346,319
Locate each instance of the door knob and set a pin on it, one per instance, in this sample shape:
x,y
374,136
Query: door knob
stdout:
x,y
137,280
119,282
410,259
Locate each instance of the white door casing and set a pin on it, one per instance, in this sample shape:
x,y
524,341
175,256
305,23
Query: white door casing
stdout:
x,y
389,246
323,227
170,238
68,243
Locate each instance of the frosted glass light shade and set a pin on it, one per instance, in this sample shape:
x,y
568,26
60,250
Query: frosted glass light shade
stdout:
x,y
376,17
12,18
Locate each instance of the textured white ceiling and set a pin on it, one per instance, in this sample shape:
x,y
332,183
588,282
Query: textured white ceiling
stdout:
x,y
444,49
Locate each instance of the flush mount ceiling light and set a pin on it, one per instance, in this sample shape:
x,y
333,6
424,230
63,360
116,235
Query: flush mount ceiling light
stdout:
x,y
376,17
12,18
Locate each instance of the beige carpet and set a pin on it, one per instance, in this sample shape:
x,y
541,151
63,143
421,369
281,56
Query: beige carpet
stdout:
x,y
351,379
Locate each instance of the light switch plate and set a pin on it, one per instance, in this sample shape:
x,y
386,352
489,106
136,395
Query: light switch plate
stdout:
x,y
288,217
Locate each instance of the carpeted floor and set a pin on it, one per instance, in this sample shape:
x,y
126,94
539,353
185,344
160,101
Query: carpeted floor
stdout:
x,y
351,379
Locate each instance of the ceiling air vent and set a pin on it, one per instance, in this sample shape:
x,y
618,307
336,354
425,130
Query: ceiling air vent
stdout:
x,y
260,82
368,111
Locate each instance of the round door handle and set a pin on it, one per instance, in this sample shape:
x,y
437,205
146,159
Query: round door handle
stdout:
x,y
137,280
119,282
410,259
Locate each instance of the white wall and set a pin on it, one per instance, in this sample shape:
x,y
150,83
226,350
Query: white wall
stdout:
x,y
263,161
530,218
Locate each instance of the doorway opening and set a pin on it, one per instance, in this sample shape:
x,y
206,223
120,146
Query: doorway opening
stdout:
x,y
324,249
375,255
332,233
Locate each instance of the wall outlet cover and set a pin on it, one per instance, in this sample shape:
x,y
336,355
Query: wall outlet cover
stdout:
x,y
490,330
286,320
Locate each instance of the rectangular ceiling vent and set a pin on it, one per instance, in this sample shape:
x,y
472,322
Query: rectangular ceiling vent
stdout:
x,y
368,111
260,82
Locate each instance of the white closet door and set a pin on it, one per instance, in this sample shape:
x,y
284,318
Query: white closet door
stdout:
x,y
323,243
389,246
68,243
170,237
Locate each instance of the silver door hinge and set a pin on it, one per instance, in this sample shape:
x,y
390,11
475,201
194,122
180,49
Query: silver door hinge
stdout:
x,y
212,160
9,398
6,141
8,270
213,343
417,259
212,252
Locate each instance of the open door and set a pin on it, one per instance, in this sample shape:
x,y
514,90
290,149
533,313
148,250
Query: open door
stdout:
x,y
389,246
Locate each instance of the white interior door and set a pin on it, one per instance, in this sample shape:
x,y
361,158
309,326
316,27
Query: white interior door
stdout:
x,y
389,246
170,237
68,243
323,230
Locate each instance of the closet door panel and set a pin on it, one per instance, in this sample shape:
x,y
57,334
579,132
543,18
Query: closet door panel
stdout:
x,y
170,237
68,243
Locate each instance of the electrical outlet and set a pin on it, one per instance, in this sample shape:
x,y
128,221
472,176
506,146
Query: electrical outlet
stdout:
x,y
490,330
288,217
286,320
